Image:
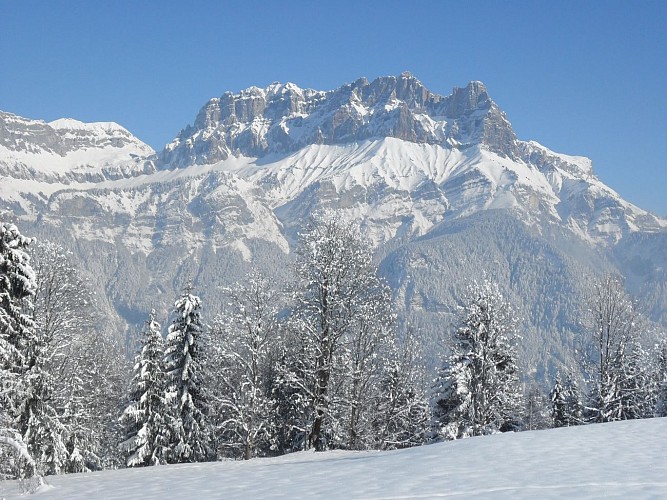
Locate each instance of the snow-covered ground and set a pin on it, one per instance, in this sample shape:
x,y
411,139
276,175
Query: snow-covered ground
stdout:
x,y
617,460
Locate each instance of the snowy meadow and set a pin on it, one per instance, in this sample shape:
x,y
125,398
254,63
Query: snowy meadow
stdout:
x,y
611,460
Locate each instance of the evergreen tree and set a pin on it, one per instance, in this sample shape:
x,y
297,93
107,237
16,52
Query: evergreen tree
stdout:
x,y
477,391
661,380
558,404
636,395
566,408
574,410
144,419
18,343
17,289
43,430
185,390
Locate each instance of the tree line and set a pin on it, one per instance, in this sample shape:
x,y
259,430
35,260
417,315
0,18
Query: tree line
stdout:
x,y
318,364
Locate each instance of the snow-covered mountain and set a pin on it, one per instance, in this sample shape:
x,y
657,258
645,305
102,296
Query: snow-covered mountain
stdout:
x,y
284,118
442,186
67,150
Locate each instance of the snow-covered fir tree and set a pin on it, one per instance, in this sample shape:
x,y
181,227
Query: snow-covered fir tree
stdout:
x,y
145,418
566,409
185,363
245,338
635,386
18,347
477,391
17,289
42,426
573,401
660,380
558,404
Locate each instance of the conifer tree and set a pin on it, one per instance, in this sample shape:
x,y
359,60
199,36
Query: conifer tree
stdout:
x,y
185,363
477,392
558,404
17,288
660,386
574,408
636,395
145,418
18,343
566,408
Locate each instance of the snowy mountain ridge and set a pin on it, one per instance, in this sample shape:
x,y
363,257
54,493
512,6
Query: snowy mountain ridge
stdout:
x,y
284,118
66,150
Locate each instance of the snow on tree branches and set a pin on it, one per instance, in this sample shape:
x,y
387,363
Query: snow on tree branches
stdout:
x,y
186,394
477,391
145,418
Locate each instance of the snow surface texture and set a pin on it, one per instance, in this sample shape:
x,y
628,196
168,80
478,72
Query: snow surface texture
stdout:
x,y
615,460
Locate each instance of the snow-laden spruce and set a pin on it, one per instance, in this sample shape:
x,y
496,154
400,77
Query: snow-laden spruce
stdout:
x,y
18,342
185,378
17,289
478,391
566,407
145,418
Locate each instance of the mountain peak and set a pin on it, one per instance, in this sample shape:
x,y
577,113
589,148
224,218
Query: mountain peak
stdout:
x,y
283,118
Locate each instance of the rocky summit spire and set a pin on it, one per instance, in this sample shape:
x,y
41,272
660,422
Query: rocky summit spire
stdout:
x,y
284,118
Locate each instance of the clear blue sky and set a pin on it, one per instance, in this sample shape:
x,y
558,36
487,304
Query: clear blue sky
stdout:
x,y
581,77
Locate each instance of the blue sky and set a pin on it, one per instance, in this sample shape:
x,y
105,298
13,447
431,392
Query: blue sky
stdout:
x,y
581,77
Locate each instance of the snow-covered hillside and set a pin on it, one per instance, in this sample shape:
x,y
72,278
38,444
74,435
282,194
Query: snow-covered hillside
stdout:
x,y
614,460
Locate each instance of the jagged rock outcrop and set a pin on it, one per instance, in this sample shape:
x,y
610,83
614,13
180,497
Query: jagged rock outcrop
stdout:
x,y
284,118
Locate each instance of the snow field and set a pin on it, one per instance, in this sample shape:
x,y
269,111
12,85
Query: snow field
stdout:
x,y
616,460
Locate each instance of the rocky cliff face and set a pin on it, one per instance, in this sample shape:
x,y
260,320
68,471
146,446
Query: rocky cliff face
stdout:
x,y
284,118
